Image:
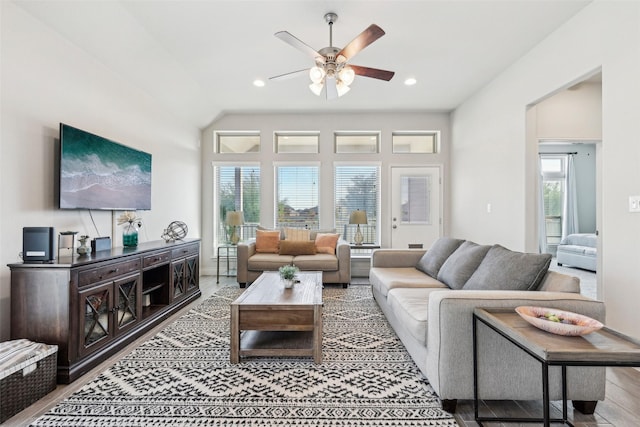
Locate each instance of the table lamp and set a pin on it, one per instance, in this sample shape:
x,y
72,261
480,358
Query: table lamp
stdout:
x,y
235,219
358,217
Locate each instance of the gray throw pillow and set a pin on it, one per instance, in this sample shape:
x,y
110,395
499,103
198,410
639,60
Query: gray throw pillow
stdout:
x,y
504,269
437,254
461,264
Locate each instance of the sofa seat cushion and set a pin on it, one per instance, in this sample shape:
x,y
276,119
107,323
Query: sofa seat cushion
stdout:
x,y
385,279
317,262
591,252
573,249
410,305
268,262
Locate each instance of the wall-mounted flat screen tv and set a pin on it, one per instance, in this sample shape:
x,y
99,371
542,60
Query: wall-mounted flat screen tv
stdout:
x,y
96,173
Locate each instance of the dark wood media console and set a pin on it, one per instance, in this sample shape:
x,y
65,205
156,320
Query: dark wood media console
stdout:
x,y
92,306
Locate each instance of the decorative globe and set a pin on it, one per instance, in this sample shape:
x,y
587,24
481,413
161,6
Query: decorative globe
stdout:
x,y
177,230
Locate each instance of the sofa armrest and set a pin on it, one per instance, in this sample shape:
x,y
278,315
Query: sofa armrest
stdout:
x,y
389,258
343,252
245,251
450,332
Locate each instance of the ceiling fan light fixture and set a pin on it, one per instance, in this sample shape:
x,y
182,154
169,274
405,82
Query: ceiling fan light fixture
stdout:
x,y
342,88
347,75
316,74
316,88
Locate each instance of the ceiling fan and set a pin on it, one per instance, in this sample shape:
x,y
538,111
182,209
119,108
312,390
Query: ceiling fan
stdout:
x,y
331,68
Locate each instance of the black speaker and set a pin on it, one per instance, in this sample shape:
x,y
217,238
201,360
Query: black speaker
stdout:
x,y
37,244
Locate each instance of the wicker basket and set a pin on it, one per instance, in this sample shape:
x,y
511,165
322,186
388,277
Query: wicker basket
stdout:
x,y
27,382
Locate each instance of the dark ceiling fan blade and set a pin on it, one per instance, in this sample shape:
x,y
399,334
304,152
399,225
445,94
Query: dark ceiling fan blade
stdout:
x,y
364,39
288,38
290,75
375,73
331,88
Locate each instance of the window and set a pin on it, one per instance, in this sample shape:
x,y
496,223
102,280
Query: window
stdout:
x,y
289,142
237,188
297,196
415,142
357,142
357,187
553,186
237,142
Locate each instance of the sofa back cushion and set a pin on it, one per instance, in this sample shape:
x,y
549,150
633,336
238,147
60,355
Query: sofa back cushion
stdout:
x,y
432,260
292,233
297,247
326,243
267,241
581,239
314,233
461,264
503,269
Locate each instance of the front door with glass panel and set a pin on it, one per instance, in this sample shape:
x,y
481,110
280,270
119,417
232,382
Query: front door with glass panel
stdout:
x,y
416,213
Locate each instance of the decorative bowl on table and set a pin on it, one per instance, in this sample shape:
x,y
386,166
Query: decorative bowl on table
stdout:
x,y
558,322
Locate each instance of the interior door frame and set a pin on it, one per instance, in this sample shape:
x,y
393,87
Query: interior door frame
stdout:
x,y
440,168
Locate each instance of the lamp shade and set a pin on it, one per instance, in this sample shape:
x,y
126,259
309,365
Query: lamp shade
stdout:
x,y
235,218
358,217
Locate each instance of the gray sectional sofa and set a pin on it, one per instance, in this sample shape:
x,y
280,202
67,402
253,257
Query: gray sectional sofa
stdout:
x,y
429,296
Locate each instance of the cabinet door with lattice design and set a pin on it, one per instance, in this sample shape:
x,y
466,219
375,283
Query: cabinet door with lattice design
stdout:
x,y
192,274
127,305
178,284
96,326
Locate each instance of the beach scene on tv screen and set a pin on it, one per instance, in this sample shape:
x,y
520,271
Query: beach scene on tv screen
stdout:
x,y
96,173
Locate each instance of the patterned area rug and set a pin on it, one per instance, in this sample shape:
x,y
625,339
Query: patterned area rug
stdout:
x,y
182,377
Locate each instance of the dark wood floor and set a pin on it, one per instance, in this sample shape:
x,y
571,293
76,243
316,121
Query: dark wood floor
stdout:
x,y
621,408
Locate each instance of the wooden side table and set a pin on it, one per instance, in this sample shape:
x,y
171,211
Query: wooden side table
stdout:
x,y
605,347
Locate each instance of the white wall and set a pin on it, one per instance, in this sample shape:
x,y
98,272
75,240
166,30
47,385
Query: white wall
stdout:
x,y
326,124
492,162
46,80
574,114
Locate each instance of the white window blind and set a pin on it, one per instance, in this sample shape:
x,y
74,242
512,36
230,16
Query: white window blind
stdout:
x,y
357,187
297,196
238,189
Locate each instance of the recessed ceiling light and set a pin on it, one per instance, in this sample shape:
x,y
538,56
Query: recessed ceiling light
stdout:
x,y
410,81
258,83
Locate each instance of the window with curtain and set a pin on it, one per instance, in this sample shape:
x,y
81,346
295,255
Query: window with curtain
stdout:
x,y
357,187
297,196
553,169
237,188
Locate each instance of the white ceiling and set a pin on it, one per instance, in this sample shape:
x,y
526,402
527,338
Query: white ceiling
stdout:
x,y
199,58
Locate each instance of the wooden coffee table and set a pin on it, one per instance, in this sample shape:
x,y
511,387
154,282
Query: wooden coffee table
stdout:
x,y
605,347
269,320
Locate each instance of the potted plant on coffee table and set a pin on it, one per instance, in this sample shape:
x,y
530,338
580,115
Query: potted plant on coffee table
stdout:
x,y
288,275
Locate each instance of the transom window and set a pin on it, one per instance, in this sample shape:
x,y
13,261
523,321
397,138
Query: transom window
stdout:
x,y
237,142
415,142
357,142
291,142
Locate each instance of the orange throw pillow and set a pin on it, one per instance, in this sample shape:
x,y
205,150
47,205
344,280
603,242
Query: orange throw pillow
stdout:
x,y
267,241
326,243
